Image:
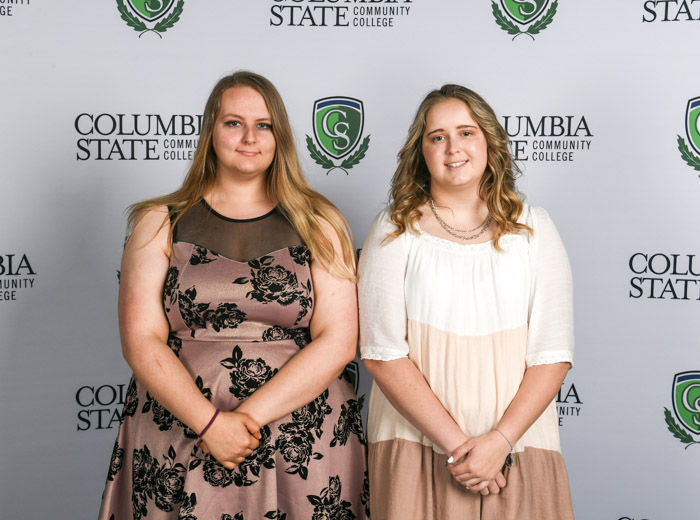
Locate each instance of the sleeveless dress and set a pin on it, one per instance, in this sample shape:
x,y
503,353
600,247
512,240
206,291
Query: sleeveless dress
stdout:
x,y
236,317
472,320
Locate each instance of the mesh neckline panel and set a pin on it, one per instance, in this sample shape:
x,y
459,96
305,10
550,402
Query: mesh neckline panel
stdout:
x,y
239,240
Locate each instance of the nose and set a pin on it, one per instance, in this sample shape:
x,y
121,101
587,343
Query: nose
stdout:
x,y
249,135
452,147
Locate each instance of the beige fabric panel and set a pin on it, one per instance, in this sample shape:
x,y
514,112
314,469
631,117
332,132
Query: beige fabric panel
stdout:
x,y
410,481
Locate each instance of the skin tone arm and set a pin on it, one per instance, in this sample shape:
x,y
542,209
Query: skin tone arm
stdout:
x,y
409,392
144,329
312,370
482,457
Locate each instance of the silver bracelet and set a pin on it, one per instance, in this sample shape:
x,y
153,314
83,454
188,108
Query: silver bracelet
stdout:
x,y
509,458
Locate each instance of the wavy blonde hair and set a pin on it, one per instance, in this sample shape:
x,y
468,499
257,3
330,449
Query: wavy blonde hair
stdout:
x,y
286,184
410,186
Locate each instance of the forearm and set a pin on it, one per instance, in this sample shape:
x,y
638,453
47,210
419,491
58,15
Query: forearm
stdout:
x,y
301,380
168,381
409,392
538,388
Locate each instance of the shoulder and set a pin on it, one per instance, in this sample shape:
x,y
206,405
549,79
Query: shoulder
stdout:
x,y
535,216
151,226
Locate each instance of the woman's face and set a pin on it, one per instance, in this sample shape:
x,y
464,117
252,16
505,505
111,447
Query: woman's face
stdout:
x,y
242,137
454,146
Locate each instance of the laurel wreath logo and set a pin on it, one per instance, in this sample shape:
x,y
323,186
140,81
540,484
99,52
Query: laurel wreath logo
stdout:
x,y
351,160
139,26
678,432
536,28
691,159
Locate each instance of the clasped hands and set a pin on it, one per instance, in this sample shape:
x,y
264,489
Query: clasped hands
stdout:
x,y
477,463
231,438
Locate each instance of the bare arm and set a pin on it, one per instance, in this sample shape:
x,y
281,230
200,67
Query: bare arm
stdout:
x,y
486,453
408,392
312,370
144,329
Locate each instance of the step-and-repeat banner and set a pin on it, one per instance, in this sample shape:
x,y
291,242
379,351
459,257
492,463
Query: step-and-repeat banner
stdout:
x,y
100,107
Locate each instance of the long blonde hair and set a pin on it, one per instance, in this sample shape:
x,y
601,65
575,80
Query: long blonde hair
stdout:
x,y
286,184
410,186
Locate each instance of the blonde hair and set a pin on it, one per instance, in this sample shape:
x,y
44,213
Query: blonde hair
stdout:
x,y
286,184
410,186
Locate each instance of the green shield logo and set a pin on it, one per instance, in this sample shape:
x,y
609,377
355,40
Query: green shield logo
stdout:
x,y
338,124
692,126
150,10
524,11
686,400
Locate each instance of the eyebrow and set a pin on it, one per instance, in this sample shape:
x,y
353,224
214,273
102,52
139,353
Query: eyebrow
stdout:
x,y
231,114
458,128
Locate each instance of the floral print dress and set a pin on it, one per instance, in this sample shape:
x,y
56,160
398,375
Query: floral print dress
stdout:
x,y
233,324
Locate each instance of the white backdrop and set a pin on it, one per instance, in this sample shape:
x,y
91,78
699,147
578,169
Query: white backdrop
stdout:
x,y
605,85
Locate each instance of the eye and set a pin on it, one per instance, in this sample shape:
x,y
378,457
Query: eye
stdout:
x,y
232,123
467,133
438,138
265,126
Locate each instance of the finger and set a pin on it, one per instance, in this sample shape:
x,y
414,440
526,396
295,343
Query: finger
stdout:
x,y
500,480
458,454
251,426
228,464
494,488
204,447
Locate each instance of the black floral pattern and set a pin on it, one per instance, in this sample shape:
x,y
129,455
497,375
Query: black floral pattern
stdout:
x,y
197,315
115,464
329,505
237,516
200,255
164,484
187,507
226,316
349,421
276,515
247,374
171,286
301,336
131,401
272,283
262,457
296,440
175,343
364,496
300,255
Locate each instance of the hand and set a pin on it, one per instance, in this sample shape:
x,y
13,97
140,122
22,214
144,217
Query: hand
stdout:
x,y
231,438
478,462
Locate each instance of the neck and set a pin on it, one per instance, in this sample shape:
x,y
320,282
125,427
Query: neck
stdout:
x,y
239,198
460,203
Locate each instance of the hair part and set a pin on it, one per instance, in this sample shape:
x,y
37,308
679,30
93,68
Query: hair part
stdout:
x,y
410,186
285,184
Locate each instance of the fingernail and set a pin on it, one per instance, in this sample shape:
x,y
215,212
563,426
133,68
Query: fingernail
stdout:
x,y
450,460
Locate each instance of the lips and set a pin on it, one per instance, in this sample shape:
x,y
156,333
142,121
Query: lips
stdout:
x,y
456,164
248,153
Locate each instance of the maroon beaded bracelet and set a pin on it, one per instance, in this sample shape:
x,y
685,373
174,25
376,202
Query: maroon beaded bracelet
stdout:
x,y
211,421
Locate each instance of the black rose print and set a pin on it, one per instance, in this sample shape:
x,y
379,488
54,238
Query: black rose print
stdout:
x,y
227,316
200,255
171,286
349,421
174,343
312,415
115,464
364,495
295,443
300,254
187,508
272,283
262,457
195,315
169,483
247,374
328,505
131,401
276,515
